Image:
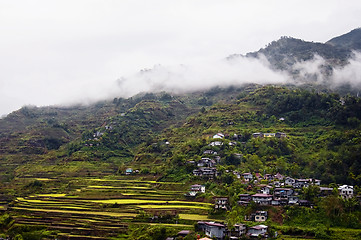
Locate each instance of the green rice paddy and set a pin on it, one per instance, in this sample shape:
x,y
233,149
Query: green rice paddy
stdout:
x,y
172,207
194,217
107,204
111,214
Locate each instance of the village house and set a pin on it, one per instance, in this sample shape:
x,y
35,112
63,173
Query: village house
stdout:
x,y
258,216
316,182
280,135
277,184
206,162
257,231
204,172
244,199
221,203
216,143
262,199
196,189
256,135
212,229
183,233
247,176
268,177
346,191
219,136
283,192
289,181
238,231
293,200
301,183
209,152
279,176
265,189
279,201
128,171
269,135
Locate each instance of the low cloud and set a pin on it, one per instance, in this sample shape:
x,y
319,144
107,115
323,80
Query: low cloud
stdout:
x,y
187,78
311,71
319,71
349,74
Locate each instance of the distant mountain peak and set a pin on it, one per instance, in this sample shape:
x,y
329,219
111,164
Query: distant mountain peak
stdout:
x,y
351,40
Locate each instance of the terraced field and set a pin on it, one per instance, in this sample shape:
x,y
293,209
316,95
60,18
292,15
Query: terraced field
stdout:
x,y
106,207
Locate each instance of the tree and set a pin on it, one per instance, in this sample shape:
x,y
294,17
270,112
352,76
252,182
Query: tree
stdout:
x,y
311,192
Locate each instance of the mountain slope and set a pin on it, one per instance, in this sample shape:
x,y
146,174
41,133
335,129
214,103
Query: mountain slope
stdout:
x,y
351,40
286,52
311,62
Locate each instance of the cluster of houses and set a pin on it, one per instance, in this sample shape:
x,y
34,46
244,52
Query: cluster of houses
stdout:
x,y
206,166
285,187
280,196
97,136
221,231
282,192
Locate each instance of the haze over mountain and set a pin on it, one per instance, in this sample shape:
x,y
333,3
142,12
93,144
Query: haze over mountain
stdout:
x,y
285,61
334,65
61,52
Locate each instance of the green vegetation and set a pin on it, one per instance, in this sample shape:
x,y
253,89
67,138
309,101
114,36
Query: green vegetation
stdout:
x,y
67,166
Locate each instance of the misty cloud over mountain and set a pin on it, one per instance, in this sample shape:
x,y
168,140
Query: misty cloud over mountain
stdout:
x,y
201,76
333,65
329,65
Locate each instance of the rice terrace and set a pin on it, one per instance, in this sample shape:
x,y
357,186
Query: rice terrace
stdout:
x,y
106,207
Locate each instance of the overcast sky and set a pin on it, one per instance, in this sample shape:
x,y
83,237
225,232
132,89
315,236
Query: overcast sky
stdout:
x,y
62,51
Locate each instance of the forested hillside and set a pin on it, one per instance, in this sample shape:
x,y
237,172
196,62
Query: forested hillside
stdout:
x,y
323,132
150,165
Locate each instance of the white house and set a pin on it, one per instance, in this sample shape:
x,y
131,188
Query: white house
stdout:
x,y
198,188
258,230
289,181
266,189
212,229
219,135
247,176
221,203
346,191
216,143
